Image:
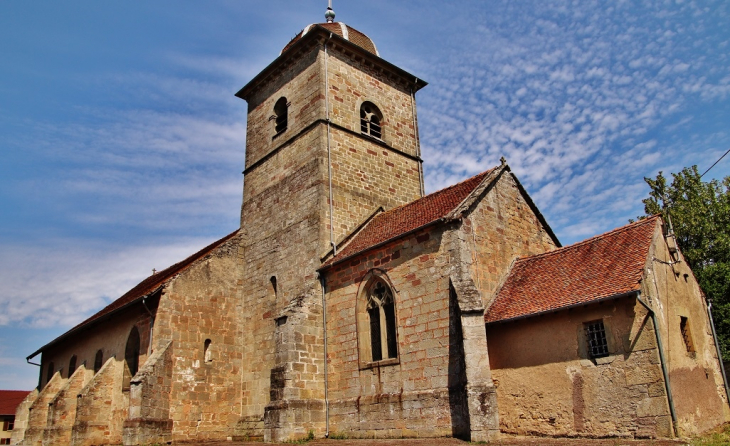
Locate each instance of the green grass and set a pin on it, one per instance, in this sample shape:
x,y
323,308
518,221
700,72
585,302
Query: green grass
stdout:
x,y
714,439
307,439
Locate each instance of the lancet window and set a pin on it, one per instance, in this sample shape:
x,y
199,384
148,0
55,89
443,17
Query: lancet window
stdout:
x,y
381,315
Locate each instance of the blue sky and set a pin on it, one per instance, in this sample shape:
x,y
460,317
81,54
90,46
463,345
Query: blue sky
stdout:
x,y
122,145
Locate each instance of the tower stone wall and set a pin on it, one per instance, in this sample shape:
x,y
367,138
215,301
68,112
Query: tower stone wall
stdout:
x,y
289,178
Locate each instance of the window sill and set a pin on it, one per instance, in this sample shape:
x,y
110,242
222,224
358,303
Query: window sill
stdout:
x,y
372,137
603,360
278,134
381,363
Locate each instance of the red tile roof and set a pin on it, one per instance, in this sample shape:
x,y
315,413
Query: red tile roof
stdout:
x,y
607,265
144,288
404,219
10,399
353,35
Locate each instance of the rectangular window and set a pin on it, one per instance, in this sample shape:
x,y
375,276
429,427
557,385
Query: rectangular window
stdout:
x,y
6,426
686,334
596,339
4,441
11,424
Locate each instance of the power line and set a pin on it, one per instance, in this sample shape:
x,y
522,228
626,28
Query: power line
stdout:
x,y
718,160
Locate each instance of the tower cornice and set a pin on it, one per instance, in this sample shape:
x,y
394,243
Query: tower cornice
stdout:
x,y
317,36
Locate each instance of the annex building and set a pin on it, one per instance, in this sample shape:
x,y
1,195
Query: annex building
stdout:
x,y
350,302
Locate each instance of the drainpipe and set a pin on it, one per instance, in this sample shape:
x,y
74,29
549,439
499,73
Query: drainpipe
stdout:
x,y
329,150
660,346
418,139
719,352
40,374
323,282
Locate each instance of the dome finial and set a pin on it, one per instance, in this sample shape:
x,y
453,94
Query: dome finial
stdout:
x,y
329,15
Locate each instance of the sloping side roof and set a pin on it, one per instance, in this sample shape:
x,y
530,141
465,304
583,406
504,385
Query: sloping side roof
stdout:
x,y
10,399
144,288
607,265
408,217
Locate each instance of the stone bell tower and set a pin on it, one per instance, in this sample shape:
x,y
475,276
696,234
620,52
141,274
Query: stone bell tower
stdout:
x,y
331,137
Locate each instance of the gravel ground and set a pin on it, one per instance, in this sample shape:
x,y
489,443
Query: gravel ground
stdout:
x,y
507,441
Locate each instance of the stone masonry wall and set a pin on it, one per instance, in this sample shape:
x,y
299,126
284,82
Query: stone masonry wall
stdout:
x,y
38,411
365,172
503,227
62,410
284,236
110,337
21,417
366,175
353,81
301,84
546,385
697,385
102,407
149,400
285,219
407,397
202,390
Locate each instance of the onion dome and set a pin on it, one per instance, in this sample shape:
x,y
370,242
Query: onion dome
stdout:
x,y
342,30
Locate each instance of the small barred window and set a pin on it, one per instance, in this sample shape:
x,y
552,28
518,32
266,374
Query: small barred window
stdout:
x,y
596,339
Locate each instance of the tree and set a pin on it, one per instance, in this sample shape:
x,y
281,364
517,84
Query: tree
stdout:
x,y
700,215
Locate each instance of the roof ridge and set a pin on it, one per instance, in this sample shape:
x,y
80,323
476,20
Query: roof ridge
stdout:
x,y
436,192
620,229
180,266
146,286
405,218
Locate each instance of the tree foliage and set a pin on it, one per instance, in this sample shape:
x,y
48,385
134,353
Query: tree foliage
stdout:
x,y
700,214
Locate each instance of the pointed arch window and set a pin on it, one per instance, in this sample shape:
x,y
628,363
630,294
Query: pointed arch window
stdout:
x,y
131,358
131,352
371,120
381,317
280,115
49,373
98,361
72,366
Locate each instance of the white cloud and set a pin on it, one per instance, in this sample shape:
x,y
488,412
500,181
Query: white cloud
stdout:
x,y
574,103
62,283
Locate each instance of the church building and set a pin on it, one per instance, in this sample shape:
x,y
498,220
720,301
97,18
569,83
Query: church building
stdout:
x,y
351,303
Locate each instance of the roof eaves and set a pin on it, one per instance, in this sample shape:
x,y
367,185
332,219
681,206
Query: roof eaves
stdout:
x,y
635,292
348,237
317,31
327,266
563,249
93,322
536,211
472,196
